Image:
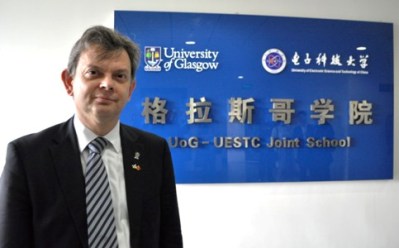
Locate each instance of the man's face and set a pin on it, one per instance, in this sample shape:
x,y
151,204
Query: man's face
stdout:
x,y
102,85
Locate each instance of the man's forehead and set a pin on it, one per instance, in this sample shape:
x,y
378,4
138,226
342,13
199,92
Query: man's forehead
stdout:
x,y
98,54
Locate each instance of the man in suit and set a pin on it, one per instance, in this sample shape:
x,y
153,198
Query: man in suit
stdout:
x,y
43,187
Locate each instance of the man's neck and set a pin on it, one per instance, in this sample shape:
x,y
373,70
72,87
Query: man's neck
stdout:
x,y
99,127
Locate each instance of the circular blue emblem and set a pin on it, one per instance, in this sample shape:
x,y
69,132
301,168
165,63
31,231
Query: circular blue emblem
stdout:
x,y
274,61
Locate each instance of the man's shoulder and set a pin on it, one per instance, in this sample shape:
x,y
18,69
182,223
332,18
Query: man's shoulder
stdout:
x,y
46,135
140,134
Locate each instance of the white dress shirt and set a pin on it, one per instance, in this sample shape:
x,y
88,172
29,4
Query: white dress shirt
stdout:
x,y
113,161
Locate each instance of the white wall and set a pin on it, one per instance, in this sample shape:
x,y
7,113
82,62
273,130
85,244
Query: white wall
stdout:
x,y
35,39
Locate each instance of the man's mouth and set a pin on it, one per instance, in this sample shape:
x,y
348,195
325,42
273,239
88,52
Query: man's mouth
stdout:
x,y
104,99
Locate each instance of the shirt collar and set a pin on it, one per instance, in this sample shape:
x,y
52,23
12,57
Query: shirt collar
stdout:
x,y
85,135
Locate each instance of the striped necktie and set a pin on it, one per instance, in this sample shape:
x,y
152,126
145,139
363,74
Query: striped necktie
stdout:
x,y
100,213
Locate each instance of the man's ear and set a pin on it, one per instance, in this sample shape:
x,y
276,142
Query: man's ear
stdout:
x,y
67,80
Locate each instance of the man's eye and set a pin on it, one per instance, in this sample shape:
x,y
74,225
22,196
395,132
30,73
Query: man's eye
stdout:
x,y
92,72
121,76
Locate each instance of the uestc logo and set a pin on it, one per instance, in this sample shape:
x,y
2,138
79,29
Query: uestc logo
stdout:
x,y
274,61
152,58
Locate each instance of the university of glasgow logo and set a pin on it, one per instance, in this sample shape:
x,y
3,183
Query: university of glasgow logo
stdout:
x,y
152,58
274,61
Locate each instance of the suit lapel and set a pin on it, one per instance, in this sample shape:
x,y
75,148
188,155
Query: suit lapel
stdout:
x,y
132,152
68,168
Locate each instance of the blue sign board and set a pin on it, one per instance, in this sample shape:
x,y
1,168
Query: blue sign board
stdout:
x,y
244,98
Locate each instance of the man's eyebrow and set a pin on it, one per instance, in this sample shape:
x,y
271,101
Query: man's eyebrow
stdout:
x,y
93,66
123,70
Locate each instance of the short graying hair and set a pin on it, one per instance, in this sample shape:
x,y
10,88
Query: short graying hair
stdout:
x,y
109,41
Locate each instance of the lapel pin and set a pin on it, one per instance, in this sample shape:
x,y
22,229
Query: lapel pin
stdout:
x,y
137,155
136,167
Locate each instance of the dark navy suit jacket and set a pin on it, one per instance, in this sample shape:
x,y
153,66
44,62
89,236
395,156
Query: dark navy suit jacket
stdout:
x,y
42,191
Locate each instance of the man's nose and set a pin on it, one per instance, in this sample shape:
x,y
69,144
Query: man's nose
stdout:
x,y
107,83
